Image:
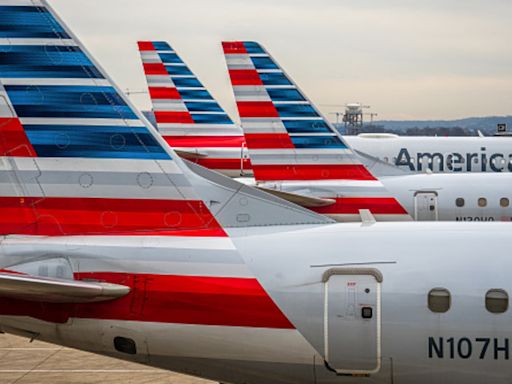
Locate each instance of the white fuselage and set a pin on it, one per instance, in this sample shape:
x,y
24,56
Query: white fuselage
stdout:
x,y
382,153
390,268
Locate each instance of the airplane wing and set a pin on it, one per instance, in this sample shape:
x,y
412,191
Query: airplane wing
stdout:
x,y
302,200
34,288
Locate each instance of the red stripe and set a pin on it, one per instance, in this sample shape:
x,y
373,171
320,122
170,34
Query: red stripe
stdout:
x,y
352,205
173,117
13,139
236,47
240,302
256,109
268,141
206,141
164,93
245,77
275,172
146,46
54,216
155,69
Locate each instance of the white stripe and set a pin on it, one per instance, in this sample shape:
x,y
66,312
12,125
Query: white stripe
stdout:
x,y
38,41
47,164
159,81
156,242
31,3
150,57
169,129
80,121
169,105
58,81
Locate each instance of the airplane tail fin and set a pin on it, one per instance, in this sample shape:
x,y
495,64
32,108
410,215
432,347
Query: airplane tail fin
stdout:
x,y
187,116
76,158
289,140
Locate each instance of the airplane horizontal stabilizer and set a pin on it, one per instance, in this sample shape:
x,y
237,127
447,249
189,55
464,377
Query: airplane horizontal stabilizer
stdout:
x,y
40,289
302,200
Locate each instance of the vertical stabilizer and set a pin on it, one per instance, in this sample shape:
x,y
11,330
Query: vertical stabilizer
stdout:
x,y
293,147
78,159
187,116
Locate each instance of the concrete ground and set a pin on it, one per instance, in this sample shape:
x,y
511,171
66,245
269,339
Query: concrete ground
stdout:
x,y
22,362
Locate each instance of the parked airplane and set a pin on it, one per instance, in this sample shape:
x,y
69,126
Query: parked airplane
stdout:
x,y
432,154
296,151
188,117
111,244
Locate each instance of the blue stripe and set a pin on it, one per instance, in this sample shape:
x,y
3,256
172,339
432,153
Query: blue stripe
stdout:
x,y
211,119
94,142
170,58
178,70
306,126
187,82
37,61
203,107
263,63
161,46
317,142
295,110
195,94
252,47
274,79
68,101
29,22
277,94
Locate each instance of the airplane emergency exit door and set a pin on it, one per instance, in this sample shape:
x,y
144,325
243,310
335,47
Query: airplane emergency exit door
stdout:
x,y
352,320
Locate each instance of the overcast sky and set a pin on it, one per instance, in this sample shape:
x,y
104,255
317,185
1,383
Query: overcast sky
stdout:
x,y
435,59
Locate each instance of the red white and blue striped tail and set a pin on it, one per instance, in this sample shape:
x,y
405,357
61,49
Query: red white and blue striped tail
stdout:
x,y
79,159
292,144
187,116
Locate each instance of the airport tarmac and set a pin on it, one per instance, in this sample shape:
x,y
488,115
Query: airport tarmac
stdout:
x,y
22,362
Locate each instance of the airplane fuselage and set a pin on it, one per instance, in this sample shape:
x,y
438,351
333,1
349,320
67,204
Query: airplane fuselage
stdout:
x,y
358,311
417,154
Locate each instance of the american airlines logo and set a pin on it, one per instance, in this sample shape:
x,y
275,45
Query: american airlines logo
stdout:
x,y
455,162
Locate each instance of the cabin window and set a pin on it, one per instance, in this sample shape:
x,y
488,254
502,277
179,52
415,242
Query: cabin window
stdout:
x,y
482,202
496,300
459,202
504,202
439,300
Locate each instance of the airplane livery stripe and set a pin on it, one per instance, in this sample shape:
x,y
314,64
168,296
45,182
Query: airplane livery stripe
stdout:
x,y
53,216
352,205
270,172
225,301
206,141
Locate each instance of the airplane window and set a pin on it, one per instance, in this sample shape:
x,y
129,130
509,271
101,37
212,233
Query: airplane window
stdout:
x,y
482,202
504,202
496,300
439,300
459,202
